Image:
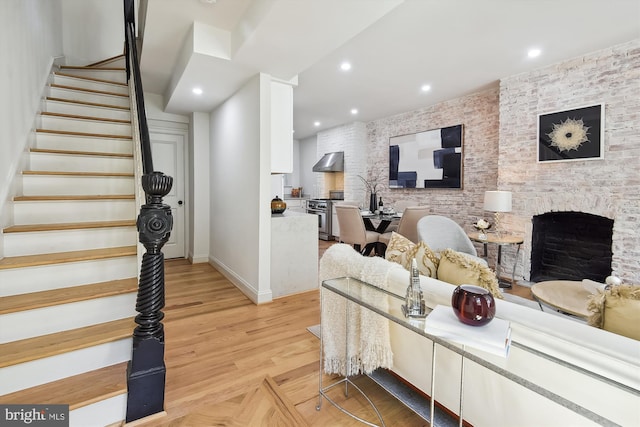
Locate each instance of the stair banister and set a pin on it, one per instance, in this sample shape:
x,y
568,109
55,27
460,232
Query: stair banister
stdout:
x,y
146,371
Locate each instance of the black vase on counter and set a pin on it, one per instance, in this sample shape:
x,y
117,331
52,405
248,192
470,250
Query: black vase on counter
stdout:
x,y
373,202
278,205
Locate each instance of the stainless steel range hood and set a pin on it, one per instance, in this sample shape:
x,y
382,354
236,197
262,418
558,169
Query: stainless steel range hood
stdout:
x,y
330,162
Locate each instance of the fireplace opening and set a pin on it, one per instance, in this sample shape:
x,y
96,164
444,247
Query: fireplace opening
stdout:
x,y
571,246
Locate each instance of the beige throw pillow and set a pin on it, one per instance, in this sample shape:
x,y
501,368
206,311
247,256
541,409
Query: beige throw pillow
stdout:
x,y
617,310
458,269
403,250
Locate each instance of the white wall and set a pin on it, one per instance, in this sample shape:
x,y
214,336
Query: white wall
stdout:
x,y
199,200
240,170
93,30
308,148
31,37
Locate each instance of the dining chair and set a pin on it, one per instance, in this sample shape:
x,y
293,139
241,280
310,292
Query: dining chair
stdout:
x,y
401,205
353,232
408,225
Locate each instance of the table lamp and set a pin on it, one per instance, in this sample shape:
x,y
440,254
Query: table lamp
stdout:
x,y
497,202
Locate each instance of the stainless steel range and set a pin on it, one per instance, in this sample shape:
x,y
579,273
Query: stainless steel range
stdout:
x,y
321,208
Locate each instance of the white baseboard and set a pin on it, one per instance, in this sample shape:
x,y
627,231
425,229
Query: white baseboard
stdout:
x,y
245,288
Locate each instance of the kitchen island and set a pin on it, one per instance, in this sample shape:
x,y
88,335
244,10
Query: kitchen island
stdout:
x,y
294,253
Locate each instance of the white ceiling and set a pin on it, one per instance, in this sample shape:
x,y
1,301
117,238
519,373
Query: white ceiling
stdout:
x,y
394,46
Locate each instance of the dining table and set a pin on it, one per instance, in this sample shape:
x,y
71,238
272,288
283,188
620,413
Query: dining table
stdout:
x,y
382,220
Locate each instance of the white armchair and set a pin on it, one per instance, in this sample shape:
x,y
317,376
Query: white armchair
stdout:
x,y
440,232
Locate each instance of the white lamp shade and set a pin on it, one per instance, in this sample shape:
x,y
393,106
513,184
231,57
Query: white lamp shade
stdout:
x,y
497,201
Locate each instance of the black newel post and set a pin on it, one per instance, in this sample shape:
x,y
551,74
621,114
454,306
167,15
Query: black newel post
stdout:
x,y
146,371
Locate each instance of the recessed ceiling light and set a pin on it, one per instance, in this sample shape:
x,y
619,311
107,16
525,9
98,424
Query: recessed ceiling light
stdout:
x,y
197,91
534,53
354,111
425,88
345,66
316,124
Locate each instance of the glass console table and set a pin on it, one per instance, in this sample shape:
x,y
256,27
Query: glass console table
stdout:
x,y
387,304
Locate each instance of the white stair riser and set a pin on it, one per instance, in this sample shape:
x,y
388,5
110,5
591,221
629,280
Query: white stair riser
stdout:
x,y
34,243
80,143
41,371
79,95
97,73
102,413
85,110
49,320
35,185
90,84
41,212
79,163
58,276
85,126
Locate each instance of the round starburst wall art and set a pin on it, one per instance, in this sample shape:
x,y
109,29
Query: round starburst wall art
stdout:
x,y
569,135
576,134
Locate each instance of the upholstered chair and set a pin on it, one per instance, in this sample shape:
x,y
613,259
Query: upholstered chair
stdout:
x,y
617,309
440,232
408,225
352,230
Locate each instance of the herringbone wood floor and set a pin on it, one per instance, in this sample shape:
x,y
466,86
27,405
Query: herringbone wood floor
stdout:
x,y
220,347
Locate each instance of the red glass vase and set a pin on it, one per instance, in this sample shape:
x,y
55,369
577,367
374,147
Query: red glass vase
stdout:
x,y
473,305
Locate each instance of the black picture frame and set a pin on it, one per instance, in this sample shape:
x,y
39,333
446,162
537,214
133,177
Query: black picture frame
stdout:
x,y
562,134
427,159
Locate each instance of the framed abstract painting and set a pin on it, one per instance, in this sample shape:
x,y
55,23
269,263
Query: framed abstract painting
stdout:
x,y
429,159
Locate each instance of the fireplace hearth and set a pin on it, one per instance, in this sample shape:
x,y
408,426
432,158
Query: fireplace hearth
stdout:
x,y
571,246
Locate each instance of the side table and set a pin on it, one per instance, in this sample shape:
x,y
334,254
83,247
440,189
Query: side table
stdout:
x,y
500,240
567,296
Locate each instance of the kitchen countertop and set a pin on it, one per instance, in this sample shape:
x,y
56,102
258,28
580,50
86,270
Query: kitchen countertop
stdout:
x,y
288,213
303,197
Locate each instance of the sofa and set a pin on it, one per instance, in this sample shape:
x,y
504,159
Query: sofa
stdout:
x,y
603,389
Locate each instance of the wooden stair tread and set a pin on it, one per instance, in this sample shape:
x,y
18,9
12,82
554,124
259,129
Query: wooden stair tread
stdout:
x,y
93,79
65,257
80,153
74,197
77,391
81,67
22,351
77,116
104,61
96,135
34,300
68,226
66,173
91,104
81,89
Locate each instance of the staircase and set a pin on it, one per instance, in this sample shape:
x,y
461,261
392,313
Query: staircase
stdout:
x,y
68,280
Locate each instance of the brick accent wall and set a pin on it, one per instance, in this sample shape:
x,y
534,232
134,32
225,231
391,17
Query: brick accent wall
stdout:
x,y
478,113
352,139
608,187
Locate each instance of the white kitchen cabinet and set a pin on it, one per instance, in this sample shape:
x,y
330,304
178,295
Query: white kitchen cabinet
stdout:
x,y
281,127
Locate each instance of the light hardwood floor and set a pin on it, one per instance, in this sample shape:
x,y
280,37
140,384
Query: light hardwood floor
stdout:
x,y
220,347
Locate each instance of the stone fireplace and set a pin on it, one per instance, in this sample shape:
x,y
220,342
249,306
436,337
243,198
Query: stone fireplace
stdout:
x,y
571,246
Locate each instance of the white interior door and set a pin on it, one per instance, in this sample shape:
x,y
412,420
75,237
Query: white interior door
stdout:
x,y
168,157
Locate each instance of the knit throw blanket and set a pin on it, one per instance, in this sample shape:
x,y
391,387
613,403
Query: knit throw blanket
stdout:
x,y
367,341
